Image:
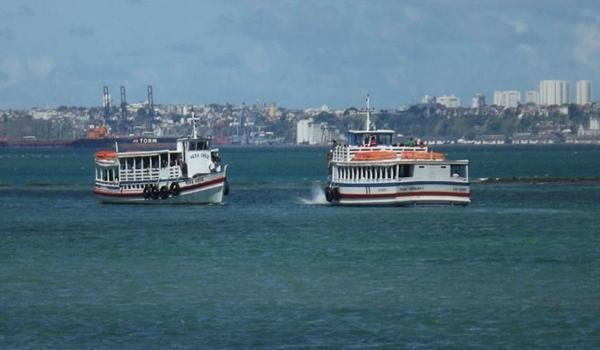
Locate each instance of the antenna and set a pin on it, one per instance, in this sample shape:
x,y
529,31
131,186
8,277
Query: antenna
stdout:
x,y
368,112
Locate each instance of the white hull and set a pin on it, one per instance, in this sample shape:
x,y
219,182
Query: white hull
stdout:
x,y
208,189
406,193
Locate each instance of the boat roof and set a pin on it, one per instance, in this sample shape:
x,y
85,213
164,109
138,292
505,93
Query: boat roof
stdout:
x,y
370,132
123,154
404,161
155,144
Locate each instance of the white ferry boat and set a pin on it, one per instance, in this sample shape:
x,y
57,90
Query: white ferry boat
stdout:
x,y
370,170
189,172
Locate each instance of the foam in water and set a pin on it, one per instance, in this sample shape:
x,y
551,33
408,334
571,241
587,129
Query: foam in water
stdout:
x,y
317,196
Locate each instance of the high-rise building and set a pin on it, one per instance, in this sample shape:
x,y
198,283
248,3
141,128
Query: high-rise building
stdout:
x,y
478,101
448,101
510,98
532,97
309,132
584,92
554,92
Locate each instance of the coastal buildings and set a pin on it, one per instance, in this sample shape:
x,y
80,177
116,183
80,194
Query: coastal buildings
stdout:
x,y
584,92
448,101
510,98
533,97
554,92
428,99
310,133
478,101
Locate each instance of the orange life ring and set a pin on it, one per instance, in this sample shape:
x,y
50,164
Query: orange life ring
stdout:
x,y
374,155
106,154
423,155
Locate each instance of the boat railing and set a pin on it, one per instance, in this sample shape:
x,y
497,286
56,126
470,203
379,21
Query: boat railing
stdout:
x,y
149,174
345,153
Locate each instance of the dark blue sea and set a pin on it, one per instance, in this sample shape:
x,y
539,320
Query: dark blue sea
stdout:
x,y
274,267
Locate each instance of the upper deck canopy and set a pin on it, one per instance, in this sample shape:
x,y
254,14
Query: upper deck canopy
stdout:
x,y
370,138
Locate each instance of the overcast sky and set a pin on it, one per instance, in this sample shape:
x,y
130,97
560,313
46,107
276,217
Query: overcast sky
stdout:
x,y
295,53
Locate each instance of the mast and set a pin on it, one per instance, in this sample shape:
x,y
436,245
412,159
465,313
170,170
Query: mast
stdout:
x,y
194,131
368,122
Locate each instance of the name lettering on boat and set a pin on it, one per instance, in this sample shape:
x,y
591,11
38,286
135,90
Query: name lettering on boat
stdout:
x,y
145,140
412,188
199,155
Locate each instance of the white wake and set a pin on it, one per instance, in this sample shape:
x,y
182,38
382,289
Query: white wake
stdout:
x,y
317,196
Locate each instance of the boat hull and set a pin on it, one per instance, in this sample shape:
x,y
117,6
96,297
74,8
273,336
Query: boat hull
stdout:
x,y
208,189
404,193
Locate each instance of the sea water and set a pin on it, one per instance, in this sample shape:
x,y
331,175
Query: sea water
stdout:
x,y
276,267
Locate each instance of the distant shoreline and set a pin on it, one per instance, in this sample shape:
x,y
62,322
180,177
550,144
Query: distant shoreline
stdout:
x,y
59,144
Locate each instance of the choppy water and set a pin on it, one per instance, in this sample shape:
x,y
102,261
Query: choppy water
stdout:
x,y
276,268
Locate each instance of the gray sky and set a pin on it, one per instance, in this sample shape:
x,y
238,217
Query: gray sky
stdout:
x,y
295,53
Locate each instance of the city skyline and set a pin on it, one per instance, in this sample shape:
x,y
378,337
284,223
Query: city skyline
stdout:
x,y
298,54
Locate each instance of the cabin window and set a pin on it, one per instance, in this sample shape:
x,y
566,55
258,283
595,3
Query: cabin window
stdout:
x,y
137,162
146,162
122,164
458,170
384,139
406,170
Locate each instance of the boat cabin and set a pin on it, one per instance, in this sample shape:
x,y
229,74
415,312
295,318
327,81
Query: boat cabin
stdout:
x,y
190,157
363,138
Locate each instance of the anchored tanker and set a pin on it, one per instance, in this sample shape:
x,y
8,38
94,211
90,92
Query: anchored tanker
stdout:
x,y
371,170
190,173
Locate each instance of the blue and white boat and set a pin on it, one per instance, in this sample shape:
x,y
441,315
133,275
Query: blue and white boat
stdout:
x,y
371,170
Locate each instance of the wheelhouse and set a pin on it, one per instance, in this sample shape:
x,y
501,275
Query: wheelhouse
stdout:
x,y
363,138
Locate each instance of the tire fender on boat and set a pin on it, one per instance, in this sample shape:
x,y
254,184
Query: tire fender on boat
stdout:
x,y
164,192
175,189
147,191
155,192
328,194
335,193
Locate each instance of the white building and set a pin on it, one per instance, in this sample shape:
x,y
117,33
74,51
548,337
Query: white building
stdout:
x,y
478,101
594,124
509,98
311,133
584,92
448,101
554,92
533,97
427,99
